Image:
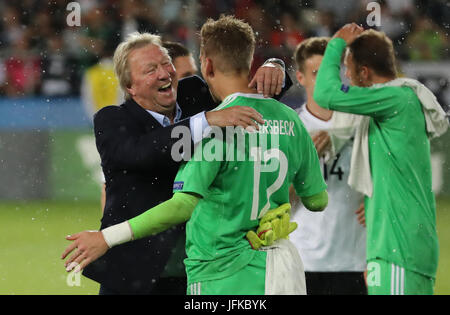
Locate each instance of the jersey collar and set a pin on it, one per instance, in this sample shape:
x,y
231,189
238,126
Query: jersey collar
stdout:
x,y
227,100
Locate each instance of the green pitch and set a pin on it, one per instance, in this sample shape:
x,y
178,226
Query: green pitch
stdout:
x,y
32,240
443,227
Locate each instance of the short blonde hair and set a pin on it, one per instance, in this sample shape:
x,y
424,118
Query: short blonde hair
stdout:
x,y
133,41
231,41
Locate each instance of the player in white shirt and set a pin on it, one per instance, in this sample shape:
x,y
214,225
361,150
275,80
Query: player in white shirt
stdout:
x,y
331,243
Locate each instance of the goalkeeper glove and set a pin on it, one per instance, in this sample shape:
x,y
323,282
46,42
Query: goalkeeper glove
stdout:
x,y
274,225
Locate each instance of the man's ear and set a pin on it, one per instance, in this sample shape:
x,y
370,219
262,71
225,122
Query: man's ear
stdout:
x,y
300,77
209,67
130,90
365,73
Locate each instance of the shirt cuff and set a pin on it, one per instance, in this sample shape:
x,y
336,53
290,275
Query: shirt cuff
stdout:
x,y
198,125
278,62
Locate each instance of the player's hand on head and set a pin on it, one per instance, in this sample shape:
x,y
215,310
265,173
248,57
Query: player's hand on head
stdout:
x,y
268,79
349,32
85,248
242,116
273,226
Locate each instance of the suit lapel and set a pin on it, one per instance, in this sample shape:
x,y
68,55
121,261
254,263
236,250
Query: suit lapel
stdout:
x,y
145,120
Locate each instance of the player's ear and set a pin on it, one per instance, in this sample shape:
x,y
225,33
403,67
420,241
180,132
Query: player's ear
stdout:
x,y
209,67
300,77
365,73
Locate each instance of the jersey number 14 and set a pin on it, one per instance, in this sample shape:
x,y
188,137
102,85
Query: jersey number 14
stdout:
x,y
333,171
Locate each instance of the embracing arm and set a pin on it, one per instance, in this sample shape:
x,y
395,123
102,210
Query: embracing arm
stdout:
x,y
121,146
271,79
90,245
174,211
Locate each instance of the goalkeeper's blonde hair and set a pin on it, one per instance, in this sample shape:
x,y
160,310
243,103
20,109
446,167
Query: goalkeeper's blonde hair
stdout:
x,y
230,41
133,41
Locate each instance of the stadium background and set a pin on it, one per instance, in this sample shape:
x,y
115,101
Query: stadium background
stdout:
x,y
54,75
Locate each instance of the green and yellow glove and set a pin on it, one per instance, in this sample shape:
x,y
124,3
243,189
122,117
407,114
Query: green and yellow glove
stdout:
x,y
274,225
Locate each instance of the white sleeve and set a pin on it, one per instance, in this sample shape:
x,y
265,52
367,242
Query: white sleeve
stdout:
x,y
198,125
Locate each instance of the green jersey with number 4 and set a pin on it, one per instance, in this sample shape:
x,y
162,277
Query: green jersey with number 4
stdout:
x,y
240,175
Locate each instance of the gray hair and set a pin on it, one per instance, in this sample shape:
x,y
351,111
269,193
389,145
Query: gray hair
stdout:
x,y
133,41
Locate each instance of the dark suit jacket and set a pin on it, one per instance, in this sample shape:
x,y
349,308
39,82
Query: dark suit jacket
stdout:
x,y
135,153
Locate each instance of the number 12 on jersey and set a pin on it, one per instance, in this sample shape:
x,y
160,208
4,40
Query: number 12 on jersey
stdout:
x,y
261,165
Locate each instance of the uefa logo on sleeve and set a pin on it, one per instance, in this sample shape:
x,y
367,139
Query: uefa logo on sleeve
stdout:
x,y
178,185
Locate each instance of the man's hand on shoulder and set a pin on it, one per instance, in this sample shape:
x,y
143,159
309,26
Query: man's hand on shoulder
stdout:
x,y
243,116
269,78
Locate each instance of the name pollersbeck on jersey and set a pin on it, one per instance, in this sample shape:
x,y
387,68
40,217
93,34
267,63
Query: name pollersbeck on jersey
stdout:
x,y
279,127
234,139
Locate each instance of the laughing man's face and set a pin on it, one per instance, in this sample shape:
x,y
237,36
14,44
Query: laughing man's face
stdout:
x,y
153,79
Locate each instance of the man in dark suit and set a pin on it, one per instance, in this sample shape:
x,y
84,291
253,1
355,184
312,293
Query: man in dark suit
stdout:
x,y
134,141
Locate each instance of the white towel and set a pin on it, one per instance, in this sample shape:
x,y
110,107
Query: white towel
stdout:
x,y
343,128
360,177
285,274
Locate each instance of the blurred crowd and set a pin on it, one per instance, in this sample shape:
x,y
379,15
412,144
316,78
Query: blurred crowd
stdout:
x,y
40,54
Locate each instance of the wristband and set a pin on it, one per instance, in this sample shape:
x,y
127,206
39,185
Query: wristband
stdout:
x,y
117,234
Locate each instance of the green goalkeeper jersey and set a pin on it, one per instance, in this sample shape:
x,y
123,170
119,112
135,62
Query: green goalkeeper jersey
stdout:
x,y
240,175
401,214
